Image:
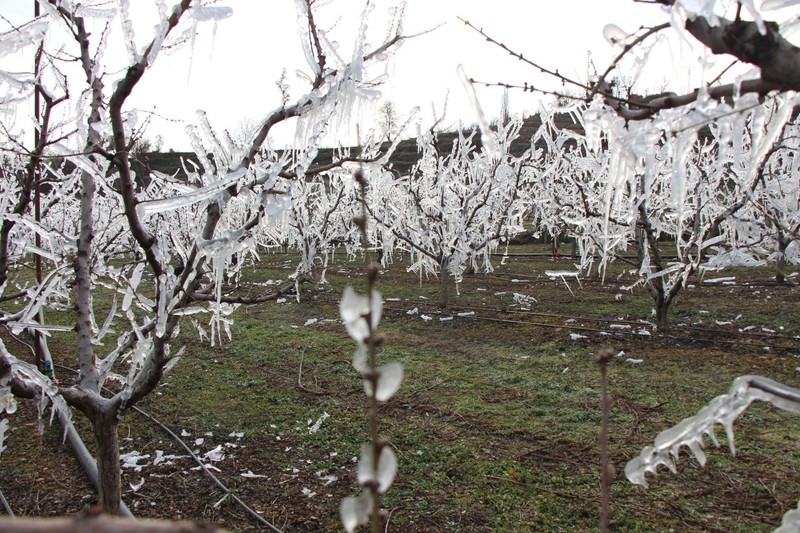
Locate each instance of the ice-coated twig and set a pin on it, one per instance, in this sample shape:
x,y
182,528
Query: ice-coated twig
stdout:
x,y
724,410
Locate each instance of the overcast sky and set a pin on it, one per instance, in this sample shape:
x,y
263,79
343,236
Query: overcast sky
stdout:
x,y
231,69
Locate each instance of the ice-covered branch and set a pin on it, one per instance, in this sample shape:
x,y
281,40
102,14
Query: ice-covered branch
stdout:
x,y
123,89
722,410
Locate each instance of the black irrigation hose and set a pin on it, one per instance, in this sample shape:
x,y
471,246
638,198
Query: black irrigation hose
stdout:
x,y
656,336
7,507
759,334
214,478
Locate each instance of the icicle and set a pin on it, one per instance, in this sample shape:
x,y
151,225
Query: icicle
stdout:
x,y
487,138
33,32
724,410
303,29
204,193
127,31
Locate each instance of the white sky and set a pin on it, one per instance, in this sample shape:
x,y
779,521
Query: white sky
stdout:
x,y
232,68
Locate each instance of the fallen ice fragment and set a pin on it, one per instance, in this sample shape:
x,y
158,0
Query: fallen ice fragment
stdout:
x,y
131,460
413,312
644,332
327,478
634,361
311,321
215,455
445,318
136,486
721,280
620,354
468,313
425,317
209,467
575,336
250,474
318,424
167,459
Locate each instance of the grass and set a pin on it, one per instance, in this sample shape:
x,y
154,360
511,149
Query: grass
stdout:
x,y
496,424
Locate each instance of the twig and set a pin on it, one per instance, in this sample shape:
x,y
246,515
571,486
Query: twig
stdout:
x,y
605,355
388,517
628,47
300,376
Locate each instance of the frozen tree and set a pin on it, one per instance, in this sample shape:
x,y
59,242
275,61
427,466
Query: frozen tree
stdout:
x,y
771,225
667,179
389,121
175,243
454,208
319,219
686,167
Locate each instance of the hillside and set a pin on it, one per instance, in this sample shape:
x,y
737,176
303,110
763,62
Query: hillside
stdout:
x,y
404,157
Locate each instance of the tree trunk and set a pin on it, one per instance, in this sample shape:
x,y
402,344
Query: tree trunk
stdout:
x,y
109,479
662,313
444,288
780,263
780,269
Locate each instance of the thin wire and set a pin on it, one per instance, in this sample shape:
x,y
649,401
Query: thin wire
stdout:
x,y
7,507
205,469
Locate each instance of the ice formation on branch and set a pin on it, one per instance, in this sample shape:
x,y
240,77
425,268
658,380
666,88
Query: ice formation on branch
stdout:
x,y
723,410
377,465
162,246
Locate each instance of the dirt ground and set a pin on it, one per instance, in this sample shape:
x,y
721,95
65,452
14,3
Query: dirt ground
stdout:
x,y
39,476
